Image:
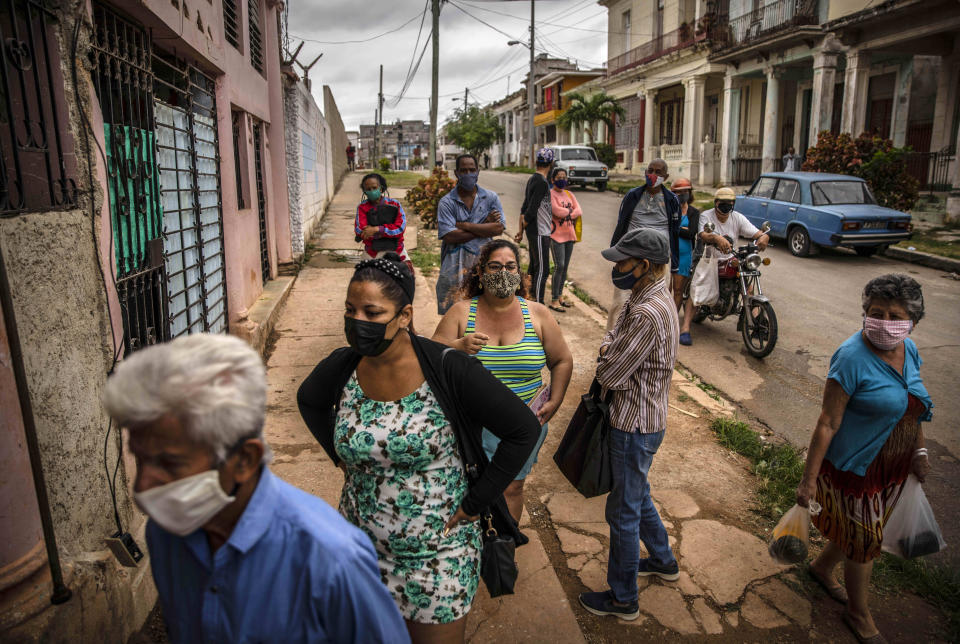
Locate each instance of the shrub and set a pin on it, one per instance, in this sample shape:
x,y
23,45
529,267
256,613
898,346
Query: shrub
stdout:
x,y
384,164
417,162
606,153
871,158
425,196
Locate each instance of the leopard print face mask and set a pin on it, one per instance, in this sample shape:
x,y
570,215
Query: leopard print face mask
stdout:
x,y
502,283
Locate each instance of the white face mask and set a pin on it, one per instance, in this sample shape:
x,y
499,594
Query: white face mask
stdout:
x,y
182,506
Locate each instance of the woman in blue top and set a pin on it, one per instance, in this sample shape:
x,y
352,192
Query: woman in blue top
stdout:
x,y
867,441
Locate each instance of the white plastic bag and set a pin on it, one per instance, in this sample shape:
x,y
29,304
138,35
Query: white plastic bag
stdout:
x,y
791,537
705,287
911,530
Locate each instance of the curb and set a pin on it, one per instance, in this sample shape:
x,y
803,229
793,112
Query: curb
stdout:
x,y
924,259
262,317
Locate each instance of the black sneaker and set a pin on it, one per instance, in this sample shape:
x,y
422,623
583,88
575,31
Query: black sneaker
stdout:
x,y
602,604
667,573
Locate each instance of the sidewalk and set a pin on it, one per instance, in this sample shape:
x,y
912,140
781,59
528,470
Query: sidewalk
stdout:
x,y
729,586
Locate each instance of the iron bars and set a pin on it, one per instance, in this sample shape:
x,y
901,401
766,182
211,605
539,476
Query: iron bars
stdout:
x,y
256,34
231,22
261,200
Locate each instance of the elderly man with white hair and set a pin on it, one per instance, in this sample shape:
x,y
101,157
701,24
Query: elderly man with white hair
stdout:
x,y
237,554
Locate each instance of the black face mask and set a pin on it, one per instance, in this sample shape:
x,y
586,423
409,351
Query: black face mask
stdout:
x,y
368,338
725,207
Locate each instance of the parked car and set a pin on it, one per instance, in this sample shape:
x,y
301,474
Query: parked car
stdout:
x,y
582,166
813,209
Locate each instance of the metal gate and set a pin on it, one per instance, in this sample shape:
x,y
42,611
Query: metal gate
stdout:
x,y
120,53
186,128
261,200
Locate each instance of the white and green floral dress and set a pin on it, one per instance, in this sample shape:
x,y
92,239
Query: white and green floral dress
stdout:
x,y
404,481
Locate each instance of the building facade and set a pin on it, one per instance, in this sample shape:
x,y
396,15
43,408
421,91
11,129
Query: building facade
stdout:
x,y
401,142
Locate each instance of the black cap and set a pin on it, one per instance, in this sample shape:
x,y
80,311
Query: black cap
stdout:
x,y
643,243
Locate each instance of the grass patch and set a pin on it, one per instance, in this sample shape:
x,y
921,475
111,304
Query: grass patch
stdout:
x,y
583,295
682,397
938,585
927,241
426,261
778,468
516,169
402,178
710,390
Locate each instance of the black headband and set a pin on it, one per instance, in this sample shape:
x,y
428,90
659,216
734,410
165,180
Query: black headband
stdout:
x,y
393,269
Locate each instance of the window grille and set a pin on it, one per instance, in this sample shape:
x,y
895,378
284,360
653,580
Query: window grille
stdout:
x,y
231,22
237,166
261,201
36,150
256,34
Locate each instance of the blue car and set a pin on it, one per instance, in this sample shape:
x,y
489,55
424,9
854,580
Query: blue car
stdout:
x,y
813,209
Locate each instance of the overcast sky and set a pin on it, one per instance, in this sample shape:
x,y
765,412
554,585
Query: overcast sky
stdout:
x,y
471,54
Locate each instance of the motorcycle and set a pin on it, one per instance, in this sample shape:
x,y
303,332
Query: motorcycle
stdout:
x,y
739,281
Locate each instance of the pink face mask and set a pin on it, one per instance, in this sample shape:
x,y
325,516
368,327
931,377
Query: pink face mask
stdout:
x,y
886,334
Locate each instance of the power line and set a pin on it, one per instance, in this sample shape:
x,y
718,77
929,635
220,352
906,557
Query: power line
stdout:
x,y
406,85
544,22
351,42
483,22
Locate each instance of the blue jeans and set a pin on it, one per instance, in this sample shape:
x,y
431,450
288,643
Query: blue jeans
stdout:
x,y
631,514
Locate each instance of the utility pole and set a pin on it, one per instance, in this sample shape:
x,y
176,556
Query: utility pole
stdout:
x,y
435,83
466,97
530,92
380,108
376,139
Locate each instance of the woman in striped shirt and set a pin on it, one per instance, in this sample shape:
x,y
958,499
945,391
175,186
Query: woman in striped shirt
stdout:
x,y
513,338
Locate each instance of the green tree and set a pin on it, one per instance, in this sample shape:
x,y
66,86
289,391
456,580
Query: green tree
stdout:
x,y
475,130
584,111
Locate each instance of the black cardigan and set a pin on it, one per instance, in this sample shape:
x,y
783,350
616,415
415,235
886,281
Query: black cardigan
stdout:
x,y
469,395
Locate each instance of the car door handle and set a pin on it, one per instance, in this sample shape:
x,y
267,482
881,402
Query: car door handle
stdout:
x,y
764,204
793,209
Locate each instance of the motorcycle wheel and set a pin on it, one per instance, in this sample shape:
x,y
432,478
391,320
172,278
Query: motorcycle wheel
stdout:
x,y
760,336
700,314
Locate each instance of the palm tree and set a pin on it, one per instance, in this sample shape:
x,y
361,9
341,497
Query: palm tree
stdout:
x,y
587,110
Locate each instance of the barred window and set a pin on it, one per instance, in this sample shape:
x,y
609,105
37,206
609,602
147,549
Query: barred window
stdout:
x,y
256,34
231,22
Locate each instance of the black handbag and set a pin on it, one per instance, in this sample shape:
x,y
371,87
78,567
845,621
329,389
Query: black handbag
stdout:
x,y
584,452
383,214
498,566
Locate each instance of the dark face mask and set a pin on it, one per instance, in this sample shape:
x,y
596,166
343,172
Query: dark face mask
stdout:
x,y
368,338
625,280
725,207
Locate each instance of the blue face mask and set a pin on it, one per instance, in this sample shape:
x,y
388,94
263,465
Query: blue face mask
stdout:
x,y
560,183
625,280
468,181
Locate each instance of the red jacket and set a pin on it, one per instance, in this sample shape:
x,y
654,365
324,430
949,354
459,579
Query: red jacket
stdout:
x,y
393,230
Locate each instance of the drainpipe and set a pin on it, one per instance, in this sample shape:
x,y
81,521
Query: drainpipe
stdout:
x,y
61,593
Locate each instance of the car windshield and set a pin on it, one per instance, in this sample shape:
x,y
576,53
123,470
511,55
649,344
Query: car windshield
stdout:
x,y
578,154
826,193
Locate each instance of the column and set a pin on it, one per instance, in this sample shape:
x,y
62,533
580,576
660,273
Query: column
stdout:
x,y
824,79
771,119
947,81
953,200
855,92
650,152
729,128
901,103
692,125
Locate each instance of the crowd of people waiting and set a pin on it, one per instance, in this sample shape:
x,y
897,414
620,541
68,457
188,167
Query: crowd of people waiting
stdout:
x,y
240,555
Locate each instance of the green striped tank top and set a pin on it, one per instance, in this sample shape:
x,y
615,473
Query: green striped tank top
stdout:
x,y
519,365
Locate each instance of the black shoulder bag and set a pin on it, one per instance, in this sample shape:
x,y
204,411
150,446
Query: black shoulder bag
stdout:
x,y
584,452
382,215
501,534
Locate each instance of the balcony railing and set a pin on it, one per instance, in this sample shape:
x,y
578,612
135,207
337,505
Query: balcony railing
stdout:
x,y
660,46
763,21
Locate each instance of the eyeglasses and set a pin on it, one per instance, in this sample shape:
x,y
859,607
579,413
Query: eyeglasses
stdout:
x,y
496,267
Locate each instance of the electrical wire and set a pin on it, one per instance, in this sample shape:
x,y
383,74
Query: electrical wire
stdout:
x,y
543,22
399,97
483,22
352,42
413,57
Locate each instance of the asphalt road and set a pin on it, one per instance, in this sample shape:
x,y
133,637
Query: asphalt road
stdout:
x,y
817,302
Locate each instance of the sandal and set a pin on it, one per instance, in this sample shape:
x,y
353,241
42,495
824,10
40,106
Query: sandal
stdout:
x,y
566,303
557,307
876,638
838,593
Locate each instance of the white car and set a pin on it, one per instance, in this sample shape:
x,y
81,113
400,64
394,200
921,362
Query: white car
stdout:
x,y
581,164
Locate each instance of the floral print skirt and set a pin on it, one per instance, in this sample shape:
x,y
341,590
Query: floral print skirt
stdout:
x,y
404,481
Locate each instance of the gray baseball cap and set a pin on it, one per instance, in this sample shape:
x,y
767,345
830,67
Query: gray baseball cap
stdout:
x,y
643,243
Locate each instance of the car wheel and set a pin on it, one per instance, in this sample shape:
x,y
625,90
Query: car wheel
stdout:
x,y
601,186
866,251
799,241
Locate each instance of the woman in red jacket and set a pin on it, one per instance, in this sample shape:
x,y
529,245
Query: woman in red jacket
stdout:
x,y
380,221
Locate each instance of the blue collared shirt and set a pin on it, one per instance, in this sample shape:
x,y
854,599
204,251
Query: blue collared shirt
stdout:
x,y
457,259
293,570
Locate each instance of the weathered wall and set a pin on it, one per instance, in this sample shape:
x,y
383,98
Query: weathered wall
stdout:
x,y
338,135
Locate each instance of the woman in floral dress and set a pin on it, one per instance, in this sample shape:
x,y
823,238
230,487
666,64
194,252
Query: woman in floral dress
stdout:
x,y
389,428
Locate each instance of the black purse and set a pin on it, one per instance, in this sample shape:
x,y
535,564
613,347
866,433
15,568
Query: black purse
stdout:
x,y
584,452
382,215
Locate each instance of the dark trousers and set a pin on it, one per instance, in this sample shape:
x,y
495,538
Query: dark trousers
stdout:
x,y
561,262
539,269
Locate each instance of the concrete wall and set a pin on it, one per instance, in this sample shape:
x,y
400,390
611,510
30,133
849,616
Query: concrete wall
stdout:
x,y
338,134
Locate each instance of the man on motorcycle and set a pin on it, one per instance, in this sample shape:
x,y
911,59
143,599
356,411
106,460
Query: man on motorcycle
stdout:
x,y
727,222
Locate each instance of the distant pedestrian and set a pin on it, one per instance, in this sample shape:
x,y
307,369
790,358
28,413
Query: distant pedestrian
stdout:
x,y
636,364
467,217
536,218
648,206
486,161
237,554
791,160
351,156
380,221
689,228
388,410
563,235
488,323
866,443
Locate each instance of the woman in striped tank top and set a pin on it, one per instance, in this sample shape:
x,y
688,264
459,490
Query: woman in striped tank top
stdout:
x,y
513,338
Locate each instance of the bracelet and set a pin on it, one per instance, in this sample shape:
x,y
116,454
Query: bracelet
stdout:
x,y
922,451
